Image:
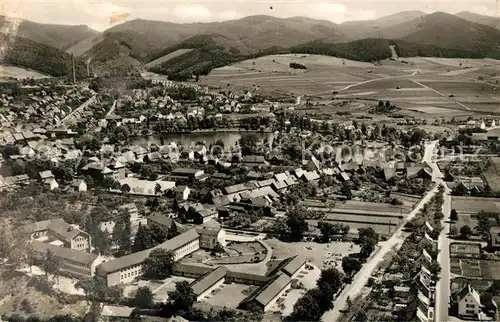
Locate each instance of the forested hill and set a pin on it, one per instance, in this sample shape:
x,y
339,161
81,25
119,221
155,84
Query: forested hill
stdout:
x,y
26,53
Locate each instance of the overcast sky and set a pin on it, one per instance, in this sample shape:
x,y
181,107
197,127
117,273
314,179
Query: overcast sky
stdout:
x,y
96,13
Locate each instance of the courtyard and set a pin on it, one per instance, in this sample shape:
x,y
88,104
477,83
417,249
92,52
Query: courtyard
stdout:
x,y
322,255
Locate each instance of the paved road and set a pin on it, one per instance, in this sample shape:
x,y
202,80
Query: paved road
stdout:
x,y
353,290
443,285
429,159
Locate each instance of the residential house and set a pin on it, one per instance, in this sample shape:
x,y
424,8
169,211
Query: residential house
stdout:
x,y
469,302
313,164
79,185
50,184
254,161
71,237
211,233
182,192
495,237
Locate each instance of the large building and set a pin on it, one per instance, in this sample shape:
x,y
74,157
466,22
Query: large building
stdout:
x,y
125,269
72,262
58,230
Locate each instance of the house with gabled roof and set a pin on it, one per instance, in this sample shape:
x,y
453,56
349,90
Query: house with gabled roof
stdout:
x,y
469,302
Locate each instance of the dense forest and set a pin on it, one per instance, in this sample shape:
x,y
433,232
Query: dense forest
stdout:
x,y
29,54
207,54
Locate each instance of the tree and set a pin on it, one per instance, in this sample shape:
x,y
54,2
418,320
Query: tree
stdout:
x,y
483,224
307,308
330,281
368,238
280,228
453,215
248,143
327,231
143,298
465,231
183,297
297,224
158,265
50,263
125,189
101,241
122,231
453,230
350,265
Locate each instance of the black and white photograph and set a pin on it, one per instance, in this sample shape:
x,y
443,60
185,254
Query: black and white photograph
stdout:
x,y
249,160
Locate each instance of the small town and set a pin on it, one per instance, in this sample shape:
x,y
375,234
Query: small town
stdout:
x,y
224,196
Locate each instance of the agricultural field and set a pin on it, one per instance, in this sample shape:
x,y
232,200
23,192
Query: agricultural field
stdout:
x,y
419,86
476,268
19,73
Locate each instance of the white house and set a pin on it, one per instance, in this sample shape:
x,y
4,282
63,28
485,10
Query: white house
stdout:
x,y
79,185
469,302
51,184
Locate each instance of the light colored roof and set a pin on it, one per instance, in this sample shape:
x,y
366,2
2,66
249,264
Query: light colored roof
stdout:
x,y
63,252
46,174
117,311
270,291
201,285
139,257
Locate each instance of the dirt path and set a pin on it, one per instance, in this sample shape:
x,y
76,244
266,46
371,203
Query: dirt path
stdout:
x,y
439,93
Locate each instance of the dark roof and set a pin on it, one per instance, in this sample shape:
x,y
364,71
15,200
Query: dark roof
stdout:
x,y
294,265
39,226
270,291
204,283
161,220
63,252
64,230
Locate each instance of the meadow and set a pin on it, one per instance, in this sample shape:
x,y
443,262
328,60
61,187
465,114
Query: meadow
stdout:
x,y
429,86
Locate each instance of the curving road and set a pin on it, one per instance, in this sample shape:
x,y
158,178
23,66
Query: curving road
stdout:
x,y
353,290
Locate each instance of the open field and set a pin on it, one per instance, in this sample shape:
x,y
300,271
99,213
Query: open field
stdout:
x,y
167,57
425,84
473,205
18,72
476,269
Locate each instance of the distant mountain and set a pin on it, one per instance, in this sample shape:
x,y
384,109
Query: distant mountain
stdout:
x,y
481,19
449,31
148,40
58,36
26,53
381,27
